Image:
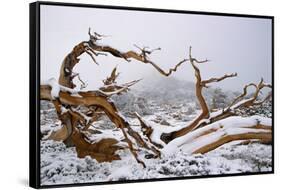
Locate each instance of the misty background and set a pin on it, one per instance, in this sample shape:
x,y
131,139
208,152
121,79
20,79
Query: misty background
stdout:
x,y
233,44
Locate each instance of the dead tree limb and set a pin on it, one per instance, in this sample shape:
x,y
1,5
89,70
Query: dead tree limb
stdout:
x,y
93,48
200,84
221,132
88,99
206,118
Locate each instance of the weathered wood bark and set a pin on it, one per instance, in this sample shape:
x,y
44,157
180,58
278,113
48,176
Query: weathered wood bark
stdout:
x,y
263,136
198,90
212,136
88,99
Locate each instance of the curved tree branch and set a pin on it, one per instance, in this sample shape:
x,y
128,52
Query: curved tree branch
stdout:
x,y
211,80
90,47
198,90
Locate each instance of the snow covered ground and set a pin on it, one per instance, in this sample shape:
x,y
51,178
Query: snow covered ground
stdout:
x,y
60,165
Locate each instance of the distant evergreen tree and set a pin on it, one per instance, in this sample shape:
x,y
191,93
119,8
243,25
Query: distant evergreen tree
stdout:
x,y
218,99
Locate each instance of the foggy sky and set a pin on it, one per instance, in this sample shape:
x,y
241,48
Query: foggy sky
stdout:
x,y
233,44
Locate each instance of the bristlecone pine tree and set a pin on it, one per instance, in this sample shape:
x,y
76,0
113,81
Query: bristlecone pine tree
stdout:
x,y
78,109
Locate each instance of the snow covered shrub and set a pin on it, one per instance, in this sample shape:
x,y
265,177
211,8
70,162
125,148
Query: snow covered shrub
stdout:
x,y
130,103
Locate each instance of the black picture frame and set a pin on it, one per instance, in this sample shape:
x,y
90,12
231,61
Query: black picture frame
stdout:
x,y
34,83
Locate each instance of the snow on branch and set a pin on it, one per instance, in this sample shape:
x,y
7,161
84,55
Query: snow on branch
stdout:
x,y
221,132
56,88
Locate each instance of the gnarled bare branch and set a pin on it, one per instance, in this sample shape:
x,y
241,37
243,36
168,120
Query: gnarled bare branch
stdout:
x,y
239,101
198,90
211,80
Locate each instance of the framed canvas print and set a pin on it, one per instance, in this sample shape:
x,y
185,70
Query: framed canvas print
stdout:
x,y
120,94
